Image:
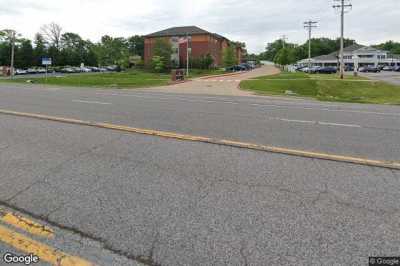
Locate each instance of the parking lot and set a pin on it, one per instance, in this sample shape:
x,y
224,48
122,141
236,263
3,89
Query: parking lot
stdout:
x,y
387,76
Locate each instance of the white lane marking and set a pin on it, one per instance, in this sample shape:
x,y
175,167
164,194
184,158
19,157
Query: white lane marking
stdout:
x,y
321,123
339,125
297,105
90,102
296,121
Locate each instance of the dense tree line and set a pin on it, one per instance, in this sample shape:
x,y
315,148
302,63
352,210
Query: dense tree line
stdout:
x,y
288,53
67,48
391,46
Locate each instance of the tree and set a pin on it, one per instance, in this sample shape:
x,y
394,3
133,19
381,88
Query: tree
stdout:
x,y
24,56
10,36
319,46
40,50
73,49
52,33
229,56
391,46
208,61
285,56
136,45
163,49
112,51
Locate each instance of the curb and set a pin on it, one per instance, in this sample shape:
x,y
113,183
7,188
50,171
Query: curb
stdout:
x,y
225,75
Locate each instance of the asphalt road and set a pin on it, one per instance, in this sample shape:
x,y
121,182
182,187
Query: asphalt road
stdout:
x,y
186,203
117,198
369,131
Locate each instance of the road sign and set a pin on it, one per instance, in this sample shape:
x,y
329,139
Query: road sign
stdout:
x,y
46,61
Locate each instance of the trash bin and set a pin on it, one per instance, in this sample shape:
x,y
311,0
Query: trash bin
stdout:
x,y
178,75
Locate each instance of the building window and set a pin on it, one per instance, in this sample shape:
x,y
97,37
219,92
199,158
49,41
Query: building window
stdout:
x,y
365,56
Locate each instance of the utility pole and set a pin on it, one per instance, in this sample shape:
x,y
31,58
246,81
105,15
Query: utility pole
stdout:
x,y
343,6
309,25
284,39
12,41
187,54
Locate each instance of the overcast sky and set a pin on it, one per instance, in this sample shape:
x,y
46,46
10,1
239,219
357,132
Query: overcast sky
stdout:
x,y
255,22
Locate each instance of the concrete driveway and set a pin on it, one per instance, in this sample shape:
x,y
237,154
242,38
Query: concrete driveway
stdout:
x,y
223,85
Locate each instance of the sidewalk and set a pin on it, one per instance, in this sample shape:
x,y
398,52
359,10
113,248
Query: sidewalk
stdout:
x,y
220,85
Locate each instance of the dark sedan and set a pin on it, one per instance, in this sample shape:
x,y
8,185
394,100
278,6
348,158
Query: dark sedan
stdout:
x,y
369,69
327,70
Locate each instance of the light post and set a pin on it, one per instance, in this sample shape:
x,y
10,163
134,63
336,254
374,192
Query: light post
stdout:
x,y
355,65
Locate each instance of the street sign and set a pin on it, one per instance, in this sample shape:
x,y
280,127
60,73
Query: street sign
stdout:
x,y
46,61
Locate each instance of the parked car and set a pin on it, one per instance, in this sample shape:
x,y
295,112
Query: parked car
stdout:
x,y
349,68
40,70
31,71
95,69
113,68
85,69
67,70
327,70
247,66
235,68
388,68
20,72
312,70
397,69
304,69
369,69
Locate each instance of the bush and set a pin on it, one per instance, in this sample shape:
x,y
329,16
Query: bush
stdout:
x,y
163,50
229,56
157,64
203,62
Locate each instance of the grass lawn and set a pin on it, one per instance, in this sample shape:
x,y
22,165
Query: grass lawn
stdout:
x,y
326,88
196,73
129,79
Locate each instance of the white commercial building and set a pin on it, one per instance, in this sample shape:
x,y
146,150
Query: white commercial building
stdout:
x,y
356,55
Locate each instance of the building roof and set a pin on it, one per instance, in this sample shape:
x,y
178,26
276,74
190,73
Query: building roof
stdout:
x,y
328,57
334,55
183,31
353,48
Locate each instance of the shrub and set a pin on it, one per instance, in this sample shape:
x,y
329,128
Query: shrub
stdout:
x,y
157,64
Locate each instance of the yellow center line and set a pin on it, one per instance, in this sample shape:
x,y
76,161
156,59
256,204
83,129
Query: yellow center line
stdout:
x,y
44,252
27,225
232,143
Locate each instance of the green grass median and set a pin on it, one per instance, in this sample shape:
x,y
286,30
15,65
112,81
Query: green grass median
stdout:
x,y
325,88
129,79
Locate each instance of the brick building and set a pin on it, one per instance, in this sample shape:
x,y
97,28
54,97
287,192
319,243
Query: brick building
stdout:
x,y
201,43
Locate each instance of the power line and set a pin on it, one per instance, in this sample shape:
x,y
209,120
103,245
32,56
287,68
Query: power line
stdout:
x,y
309,25
343,6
